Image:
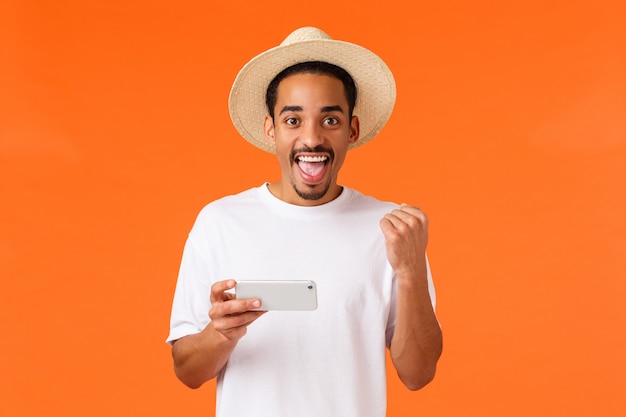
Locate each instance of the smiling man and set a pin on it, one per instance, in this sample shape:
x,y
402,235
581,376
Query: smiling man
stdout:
x,y
309,101
311,131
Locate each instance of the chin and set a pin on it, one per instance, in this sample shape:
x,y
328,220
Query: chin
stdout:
x,y
312,194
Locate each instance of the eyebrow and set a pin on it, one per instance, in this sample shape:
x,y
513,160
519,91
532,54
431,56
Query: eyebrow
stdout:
x,y
290,108
328,109
325,109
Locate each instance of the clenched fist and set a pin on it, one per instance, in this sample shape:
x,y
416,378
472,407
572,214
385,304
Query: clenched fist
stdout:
x,y
406,237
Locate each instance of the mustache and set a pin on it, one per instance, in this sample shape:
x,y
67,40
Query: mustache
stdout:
x,y
317,149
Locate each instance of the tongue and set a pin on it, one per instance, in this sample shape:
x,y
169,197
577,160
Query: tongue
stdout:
x,y
311,169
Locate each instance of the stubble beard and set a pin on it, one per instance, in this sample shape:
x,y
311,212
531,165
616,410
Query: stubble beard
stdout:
x,y
311,195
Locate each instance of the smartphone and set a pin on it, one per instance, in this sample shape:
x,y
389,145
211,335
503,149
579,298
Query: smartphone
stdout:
x,y
292,295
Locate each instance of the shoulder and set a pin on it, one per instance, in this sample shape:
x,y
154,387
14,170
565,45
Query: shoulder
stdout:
x,y
360,201
215,212
227,203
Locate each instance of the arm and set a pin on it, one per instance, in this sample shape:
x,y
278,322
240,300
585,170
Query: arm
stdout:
x,y
200,357
417,342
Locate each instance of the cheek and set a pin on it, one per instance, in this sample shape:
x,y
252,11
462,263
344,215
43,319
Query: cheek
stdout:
x,y
283,147
283,157
341,156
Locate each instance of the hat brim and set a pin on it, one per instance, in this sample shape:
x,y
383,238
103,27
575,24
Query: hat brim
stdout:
x,y
376,88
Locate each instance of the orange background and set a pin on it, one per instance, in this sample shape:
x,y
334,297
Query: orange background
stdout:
x,y
509,130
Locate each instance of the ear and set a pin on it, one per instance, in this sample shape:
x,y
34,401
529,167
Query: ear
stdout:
x,y
268,129
354,130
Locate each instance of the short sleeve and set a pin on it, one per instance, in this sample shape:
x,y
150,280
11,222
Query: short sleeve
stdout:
x,y
190,308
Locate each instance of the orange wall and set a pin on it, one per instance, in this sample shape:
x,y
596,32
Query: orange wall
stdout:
x,y
509,130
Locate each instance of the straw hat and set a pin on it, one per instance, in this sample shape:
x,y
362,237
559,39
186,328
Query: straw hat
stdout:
x,y
376,88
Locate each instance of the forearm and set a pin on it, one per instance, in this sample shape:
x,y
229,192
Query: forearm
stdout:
x,y
417,341
200,357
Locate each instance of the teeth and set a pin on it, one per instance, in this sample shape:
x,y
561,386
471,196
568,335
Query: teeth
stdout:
x,y
312,158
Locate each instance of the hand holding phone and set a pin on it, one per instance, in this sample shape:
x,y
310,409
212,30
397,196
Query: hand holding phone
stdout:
x,y
230,317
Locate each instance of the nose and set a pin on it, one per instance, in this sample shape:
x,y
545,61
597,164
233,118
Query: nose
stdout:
x,y
311,135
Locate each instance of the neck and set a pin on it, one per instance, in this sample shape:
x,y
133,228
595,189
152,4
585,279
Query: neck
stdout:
x,y
288,194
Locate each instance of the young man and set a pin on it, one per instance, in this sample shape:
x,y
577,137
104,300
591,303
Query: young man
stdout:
x,y
309,101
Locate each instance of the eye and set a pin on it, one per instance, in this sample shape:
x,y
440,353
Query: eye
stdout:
x,y
292,121
330,121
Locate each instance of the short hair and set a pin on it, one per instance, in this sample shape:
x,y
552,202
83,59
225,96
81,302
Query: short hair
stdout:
x,y
312,67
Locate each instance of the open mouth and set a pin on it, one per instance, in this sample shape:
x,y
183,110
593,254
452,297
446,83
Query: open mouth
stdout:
x,y
312,167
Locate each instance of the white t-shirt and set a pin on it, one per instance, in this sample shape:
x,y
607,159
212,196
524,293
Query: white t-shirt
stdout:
x,y
327,362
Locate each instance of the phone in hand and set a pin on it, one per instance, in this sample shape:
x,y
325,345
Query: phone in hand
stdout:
x,y
289,295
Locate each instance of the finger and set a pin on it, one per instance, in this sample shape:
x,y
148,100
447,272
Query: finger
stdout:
x,y
411,216
229,296
233,307
218,290
236,326
387,226
415,211
238,320
396,221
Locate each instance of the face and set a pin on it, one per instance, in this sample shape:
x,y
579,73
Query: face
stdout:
x,y
311,131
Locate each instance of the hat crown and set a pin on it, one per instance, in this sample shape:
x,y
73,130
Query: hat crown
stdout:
x,y
307,33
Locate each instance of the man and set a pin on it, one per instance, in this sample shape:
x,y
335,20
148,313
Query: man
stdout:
x,y
309,101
